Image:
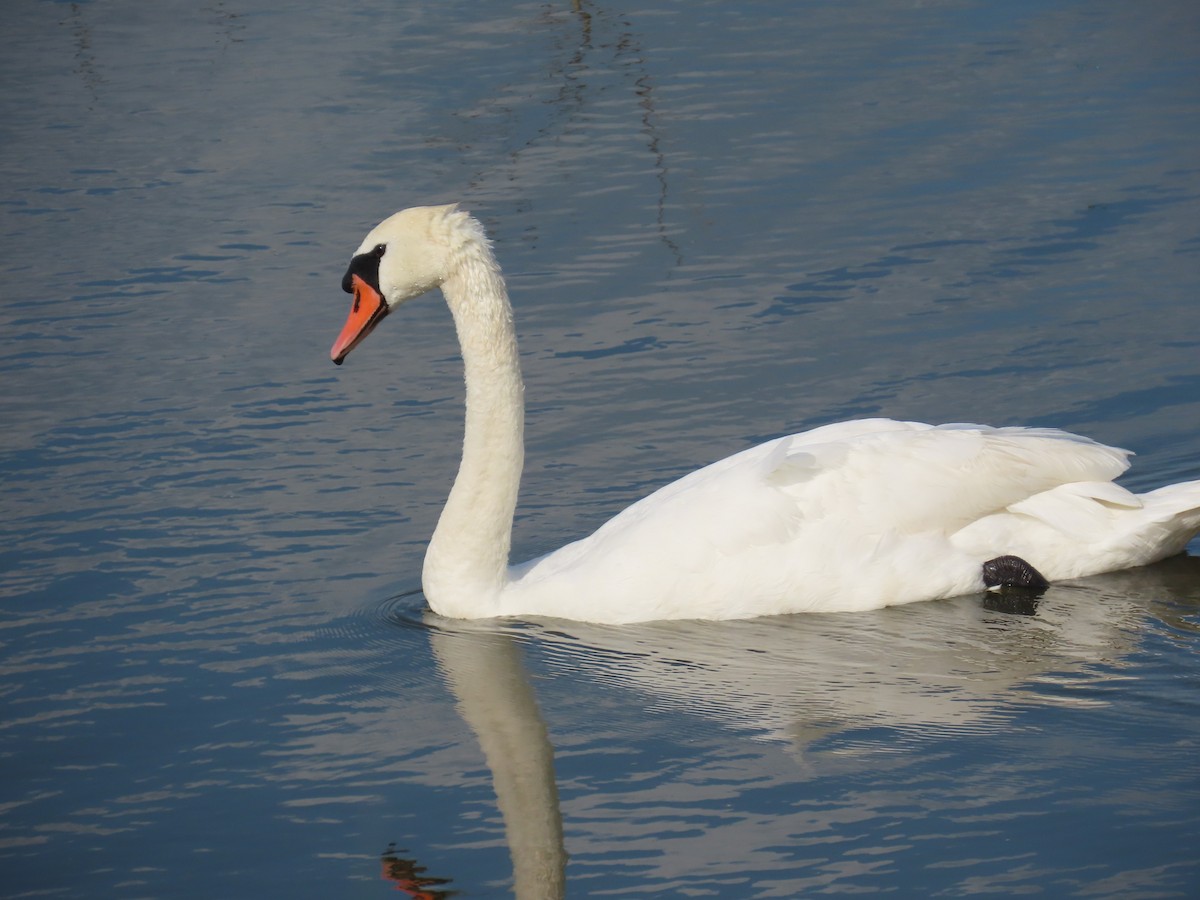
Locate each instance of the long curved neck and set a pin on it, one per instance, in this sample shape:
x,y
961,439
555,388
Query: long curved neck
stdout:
x,y
466,565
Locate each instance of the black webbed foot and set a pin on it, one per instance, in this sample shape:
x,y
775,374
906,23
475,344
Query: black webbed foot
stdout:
x,y
1012,571
1014,586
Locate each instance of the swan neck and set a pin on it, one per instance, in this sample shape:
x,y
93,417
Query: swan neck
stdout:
x,y
466,565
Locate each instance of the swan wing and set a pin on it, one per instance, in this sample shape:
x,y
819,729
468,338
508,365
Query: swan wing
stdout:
x,y
943,477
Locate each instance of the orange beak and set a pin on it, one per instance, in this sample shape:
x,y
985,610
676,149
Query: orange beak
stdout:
x,y
368,311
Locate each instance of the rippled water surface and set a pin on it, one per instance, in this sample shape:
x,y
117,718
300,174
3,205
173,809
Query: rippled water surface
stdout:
x,y
720,222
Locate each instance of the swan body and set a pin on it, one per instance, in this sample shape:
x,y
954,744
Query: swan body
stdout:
x,y
851,516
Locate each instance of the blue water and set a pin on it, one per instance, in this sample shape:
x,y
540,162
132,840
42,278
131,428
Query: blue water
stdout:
x,y
720,222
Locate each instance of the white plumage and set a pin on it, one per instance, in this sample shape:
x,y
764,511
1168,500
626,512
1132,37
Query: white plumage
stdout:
x,y
852,516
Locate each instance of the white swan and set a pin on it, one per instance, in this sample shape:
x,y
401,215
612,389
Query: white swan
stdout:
x,y
851,516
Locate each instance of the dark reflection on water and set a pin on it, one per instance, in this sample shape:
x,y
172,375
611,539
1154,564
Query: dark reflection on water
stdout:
x,y
720,222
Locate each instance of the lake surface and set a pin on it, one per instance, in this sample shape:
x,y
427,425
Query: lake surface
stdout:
x,y
720,222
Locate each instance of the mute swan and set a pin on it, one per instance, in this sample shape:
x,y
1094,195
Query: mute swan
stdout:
x,y
851,516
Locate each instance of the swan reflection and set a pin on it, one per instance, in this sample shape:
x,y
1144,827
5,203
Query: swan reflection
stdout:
x,y
871,683
486,674
410,878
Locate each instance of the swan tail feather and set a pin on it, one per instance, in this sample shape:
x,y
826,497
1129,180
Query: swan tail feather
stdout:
x,y
1174,513
1090,528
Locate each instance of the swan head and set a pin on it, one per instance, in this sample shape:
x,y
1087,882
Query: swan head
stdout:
x,y
404,256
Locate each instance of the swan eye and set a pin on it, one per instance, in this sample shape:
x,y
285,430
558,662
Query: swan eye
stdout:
x,y
378,251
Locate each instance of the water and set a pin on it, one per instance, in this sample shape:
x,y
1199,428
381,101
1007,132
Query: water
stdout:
x,y
720,222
